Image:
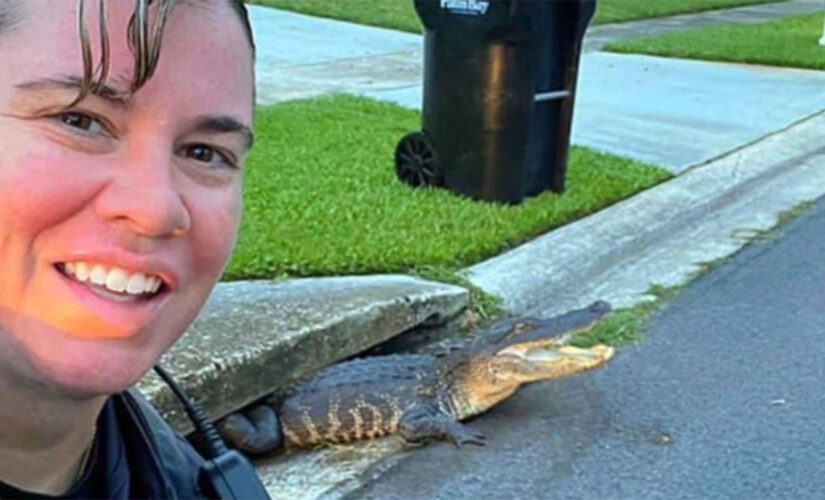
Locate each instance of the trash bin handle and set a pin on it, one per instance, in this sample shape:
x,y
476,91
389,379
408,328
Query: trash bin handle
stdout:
x,y
552,96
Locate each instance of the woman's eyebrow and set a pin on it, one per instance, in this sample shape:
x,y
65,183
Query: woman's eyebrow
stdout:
x,y
122,99
222,125
106,92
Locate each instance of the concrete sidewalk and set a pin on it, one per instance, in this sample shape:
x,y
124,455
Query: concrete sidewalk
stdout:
x,y
669,112
598,36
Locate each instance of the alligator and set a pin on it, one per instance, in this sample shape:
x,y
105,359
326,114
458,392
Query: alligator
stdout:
x,y
420,397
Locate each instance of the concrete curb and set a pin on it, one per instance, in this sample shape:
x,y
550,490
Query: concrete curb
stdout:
x,y
661,235
253,338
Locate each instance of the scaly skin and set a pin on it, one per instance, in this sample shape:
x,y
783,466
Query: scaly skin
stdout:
x,y
420,397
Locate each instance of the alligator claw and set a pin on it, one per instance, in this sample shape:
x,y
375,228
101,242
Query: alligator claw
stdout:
x,y
475,438
460,435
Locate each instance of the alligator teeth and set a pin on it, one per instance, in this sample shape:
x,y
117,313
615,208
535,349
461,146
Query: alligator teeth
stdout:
x,y
113,279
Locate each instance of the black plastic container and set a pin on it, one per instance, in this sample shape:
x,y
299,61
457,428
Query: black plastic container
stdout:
x,y
499,87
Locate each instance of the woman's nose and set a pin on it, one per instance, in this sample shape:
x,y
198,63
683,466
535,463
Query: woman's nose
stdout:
x,y
145,197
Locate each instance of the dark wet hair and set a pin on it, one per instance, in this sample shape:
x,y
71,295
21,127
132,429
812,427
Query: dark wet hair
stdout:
x,y
144,38
10,14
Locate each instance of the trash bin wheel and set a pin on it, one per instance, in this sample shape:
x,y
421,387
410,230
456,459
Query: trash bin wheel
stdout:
x,y
416,162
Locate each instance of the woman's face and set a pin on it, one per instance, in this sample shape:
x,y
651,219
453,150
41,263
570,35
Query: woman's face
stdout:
x,y
142,194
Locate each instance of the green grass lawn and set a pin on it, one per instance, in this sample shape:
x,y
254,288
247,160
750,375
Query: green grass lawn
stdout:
x,y
400,14
322,198
787,42
616,11
392,14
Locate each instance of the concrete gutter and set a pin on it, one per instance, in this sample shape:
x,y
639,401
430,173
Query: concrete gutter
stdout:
x,y
253,338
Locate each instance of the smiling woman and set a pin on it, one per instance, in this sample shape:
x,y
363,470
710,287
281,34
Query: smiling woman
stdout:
x,y
123,136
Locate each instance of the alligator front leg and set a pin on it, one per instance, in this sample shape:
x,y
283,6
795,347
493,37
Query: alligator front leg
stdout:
x,y
428,423
255,431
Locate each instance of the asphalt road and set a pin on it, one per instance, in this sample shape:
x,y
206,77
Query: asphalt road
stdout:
x,y
724,399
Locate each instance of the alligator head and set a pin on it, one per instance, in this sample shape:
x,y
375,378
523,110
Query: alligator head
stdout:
x,y
494,373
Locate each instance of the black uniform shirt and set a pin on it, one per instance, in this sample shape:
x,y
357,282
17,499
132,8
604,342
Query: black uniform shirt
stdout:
x,y
107,472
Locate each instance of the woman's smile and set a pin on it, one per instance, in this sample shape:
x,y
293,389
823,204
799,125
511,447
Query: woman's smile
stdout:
x,y
116,299
113,283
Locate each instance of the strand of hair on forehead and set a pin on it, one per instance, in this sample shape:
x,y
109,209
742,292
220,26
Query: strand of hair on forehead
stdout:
x,y
146,48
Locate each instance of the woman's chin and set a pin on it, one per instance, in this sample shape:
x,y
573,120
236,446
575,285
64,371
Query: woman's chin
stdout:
x,y
95,374
82,367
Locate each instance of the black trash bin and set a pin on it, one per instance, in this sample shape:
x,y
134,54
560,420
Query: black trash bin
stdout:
x,y
499,87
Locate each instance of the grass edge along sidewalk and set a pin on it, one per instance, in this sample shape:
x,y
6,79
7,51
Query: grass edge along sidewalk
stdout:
x,y
400,14
322,198
789,42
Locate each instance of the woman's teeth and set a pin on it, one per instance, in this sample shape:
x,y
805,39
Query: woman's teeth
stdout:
x,y
113,279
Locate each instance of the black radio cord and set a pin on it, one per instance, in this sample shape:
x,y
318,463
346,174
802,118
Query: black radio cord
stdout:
x,y
203,426
227,474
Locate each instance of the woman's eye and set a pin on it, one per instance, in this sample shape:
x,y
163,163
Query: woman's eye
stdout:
x,y
208,154
82,121
201,153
